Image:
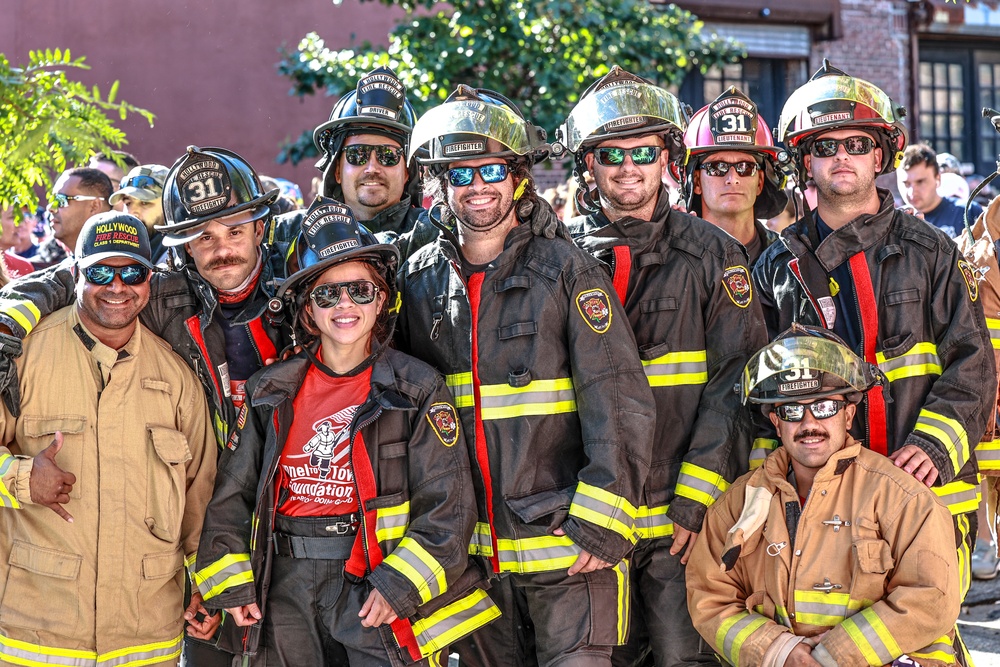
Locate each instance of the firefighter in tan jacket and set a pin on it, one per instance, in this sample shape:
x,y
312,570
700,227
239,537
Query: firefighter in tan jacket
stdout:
x,y
106,472
828,554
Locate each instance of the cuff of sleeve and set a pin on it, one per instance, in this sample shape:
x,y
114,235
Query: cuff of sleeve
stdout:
x,y
687,513
604,546
779,649
381,578
22,480
16,329
823,657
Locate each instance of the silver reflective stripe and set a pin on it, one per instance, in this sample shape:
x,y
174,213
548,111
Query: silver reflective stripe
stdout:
x,y
699,484
457,620
735,633
871,637
461,388
218,580
526,397
916,359
605,510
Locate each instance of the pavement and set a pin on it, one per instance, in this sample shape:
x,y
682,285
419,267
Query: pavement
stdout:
x,y
979,622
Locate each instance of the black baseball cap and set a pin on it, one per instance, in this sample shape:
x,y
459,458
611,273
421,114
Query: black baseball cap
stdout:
x,y
113,234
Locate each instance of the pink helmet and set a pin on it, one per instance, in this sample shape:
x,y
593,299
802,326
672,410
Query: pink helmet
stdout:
x,y
732,123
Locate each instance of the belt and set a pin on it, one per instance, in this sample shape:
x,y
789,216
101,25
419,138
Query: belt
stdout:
x,y
336,547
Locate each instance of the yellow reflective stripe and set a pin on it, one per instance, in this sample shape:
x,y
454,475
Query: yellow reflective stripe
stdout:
x,y
190,560
230,570
254,522
603,509
964,556
994,327
537,554
959,497
539,397
412,561
653,522
988,455
460,385
677,368
760,450
221,429
24,313
921,359
391,522
454,621
623,598
35,655
7,499
781,616
872,638
948,432
825,609
734,631
481,543
699,484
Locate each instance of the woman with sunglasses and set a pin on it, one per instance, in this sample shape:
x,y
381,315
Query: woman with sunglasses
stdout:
x,y
345,501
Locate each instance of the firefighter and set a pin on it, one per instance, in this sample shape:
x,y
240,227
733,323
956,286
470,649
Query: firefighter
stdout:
x,y
685,286
547,380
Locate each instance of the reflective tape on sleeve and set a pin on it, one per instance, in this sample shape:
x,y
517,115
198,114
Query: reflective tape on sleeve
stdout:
x,y
948,432
994,327
24,313
454,621
537,554
734,631
603,509
482,543
762,447
391,523
988,455
699,484
872,638
460,385
7,498
959,497
421,569
942,649
229,571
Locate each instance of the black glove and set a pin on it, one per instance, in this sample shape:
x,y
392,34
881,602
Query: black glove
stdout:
x,y
10,388
544,221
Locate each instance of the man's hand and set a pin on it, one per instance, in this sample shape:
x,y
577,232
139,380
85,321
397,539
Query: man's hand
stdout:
x,y
49,484
248,614
916,462
683,539
585,562
205,628
376,611
10,388
801,656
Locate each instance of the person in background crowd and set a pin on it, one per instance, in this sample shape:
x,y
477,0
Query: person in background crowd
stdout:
x,y
115,173
919,179
77,195
10,231
107,587
828,554
685,287
141,194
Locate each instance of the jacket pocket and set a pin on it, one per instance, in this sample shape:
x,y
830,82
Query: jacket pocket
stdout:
x,y
160,596
39,432
894,346
37,577
872,561
166,482
392,468
609,595
548,508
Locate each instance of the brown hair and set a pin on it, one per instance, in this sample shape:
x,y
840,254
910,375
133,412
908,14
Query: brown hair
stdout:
x,y
376,270
920,154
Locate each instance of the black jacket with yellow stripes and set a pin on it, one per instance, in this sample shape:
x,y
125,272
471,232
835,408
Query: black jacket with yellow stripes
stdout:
x,y
922,323
555,406
423,513
696,322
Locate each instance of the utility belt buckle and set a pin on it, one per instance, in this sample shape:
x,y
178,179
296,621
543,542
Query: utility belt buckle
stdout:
x,y
344,526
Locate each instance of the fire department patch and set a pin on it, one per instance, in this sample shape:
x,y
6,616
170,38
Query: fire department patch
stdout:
x,y
970,278
444,421
595,308
736,280
241,419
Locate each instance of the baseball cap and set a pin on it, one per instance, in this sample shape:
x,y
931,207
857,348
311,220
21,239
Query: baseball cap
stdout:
x,y
113,234
144,183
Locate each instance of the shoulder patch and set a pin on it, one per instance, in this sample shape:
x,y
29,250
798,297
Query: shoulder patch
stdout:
x,y
736,280
444,423
970,278
595,309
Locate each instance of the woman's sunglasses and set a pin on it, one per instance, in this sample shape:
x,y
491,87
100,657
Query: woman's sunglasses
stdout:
x,y
327,295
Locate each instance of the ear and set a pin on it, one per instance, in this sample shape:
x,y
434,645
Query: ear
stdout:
x,y
337,166
774,419
258,231
850,410
760,181
807,162
588,159
697,182
878,157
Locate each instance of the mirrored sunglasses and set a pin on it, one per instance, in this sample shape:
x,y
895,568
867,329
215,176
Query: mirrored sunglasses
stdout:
x,y
62,201
141,182
641,155
387,156
743,168
853,146
101,274
459,177
822,409
327,295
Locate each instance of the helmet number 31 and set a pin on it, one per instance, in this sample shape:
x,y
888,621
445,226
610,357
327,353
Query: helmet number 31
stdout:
x,y
732,122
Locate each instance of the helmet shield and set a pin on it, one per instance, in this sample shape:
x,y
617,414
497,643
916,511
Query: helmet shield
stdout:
x,y
834,101
621,110
803,366
462,127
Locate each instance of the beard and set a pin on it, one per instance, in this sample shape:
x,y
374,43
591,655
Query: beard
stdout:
x,y
626,200
483,219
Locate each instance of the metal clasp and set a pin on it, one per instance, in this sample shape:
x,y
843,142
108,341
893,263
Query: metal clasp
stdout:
x,y
836,523
774,548
826,586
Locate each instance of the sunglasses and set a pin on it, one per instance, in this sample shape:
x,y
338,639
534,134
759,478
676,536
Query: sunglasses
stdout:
x,y
387,156
459,177
743,168
853,146
641,155
327,295
62,201
822,409
141,182
102,274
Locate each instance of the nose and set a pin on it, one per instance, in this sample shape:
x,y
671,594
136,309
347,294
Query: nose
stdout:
x,y
372,164
732,176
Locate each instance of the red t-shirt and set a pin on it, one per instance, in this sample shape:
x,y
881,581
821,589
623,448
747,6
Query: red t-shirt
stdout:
x,y
315,469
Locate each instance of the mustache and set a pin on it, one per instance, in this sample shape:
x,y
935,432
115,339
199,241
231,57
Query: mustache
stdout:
x,y
811,433
225,261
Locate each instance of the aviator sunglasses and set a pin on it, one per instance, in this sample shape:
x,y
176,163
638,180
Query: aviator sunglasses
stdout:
x,y
490,173
102,274
388,156
327,295
853,146
822,409
641,155
743,168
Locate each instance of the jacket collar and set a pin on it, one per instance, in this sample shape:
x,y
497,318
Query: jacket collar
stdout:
x,y
858,235
776,466
390,219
